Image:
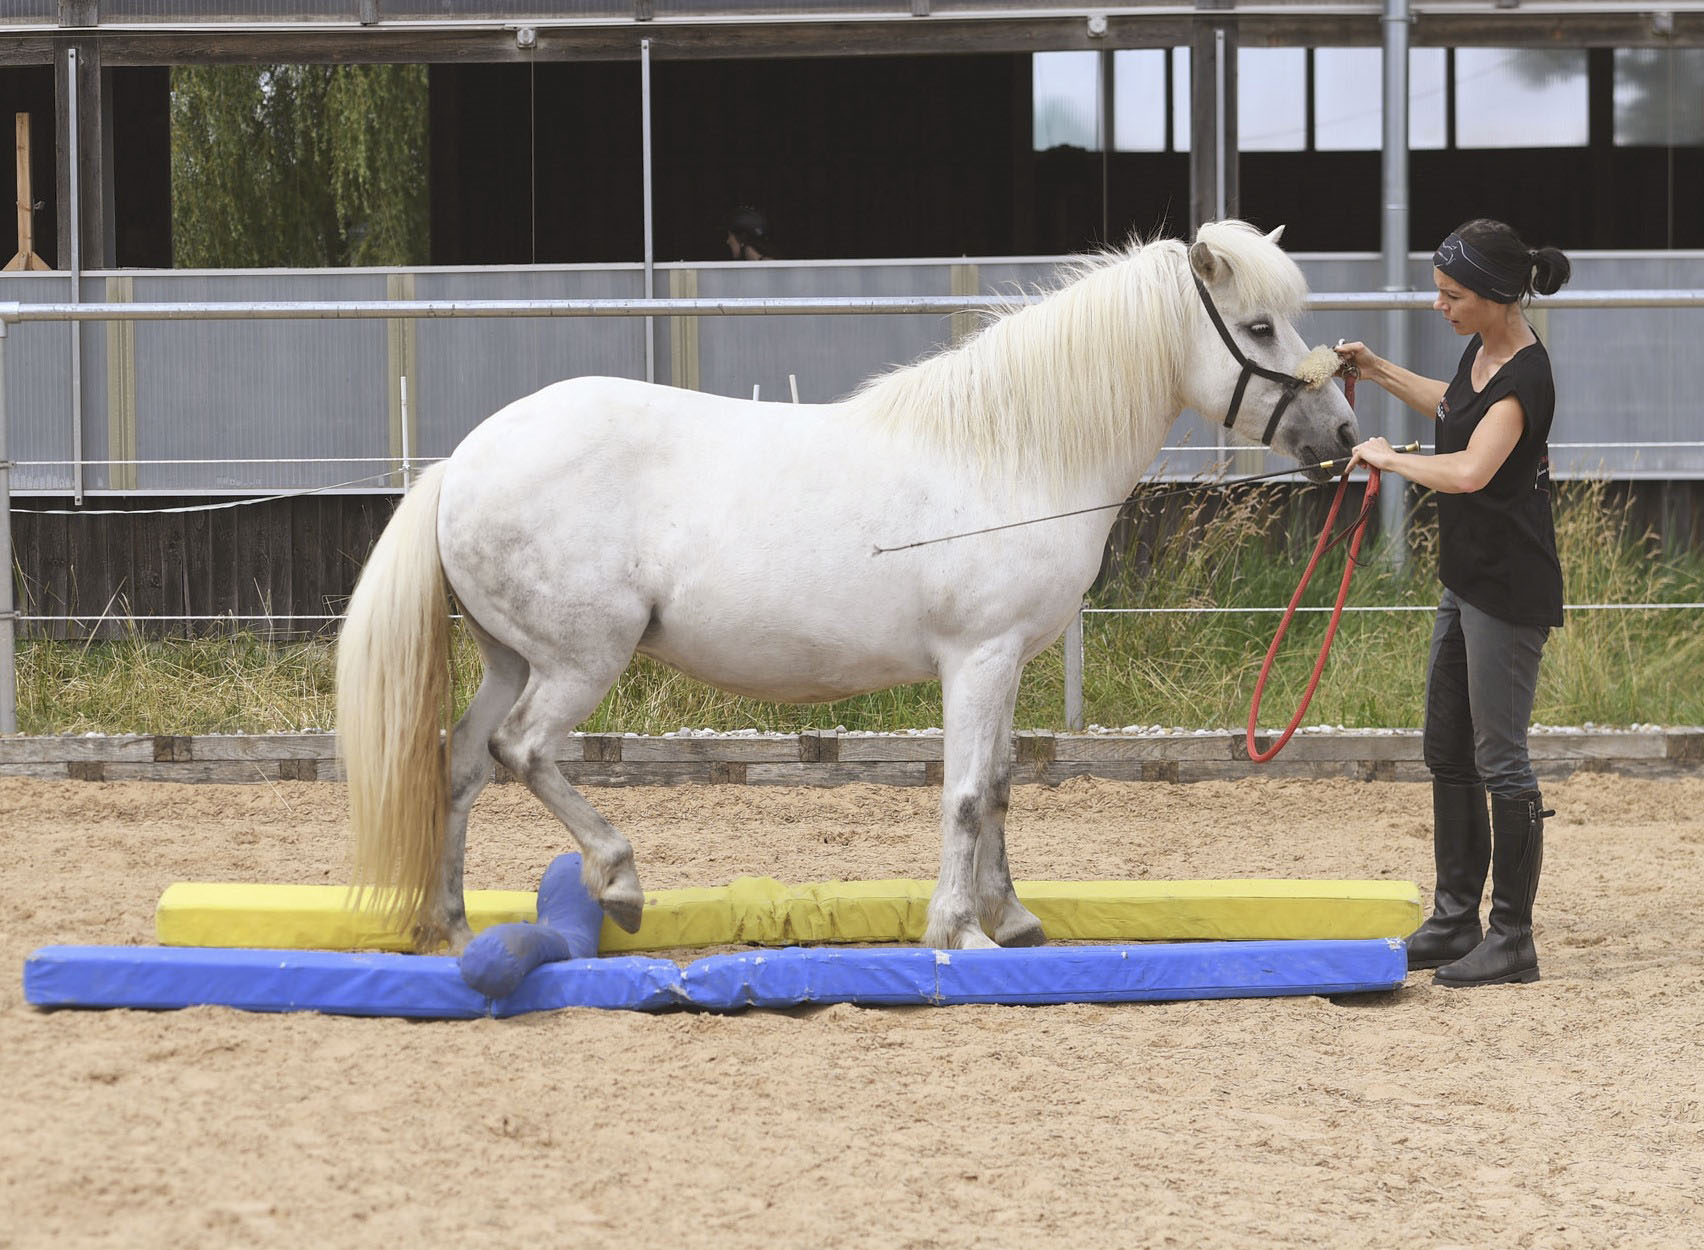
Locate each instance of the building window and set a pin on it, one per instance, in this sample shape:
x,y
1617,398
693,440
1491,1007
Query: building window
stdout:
x,y
1067,100
1521,98
1504,98
1139,100
1659,97
1349,99
1180,99
1272,105
1272,114
1066,108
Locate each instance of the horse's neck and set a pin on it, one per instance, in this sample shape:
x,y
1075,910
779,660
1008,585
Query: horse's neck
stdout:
x,y
1061,402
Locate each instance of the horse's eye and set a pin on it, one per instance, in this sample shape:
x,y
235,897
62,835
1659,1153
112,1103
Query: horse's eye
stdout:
x,y
1260,329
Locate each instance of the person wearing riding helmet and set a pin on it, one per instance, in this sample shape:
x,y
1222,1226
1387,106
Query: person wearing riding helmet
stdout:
x,y
1502,594
748,234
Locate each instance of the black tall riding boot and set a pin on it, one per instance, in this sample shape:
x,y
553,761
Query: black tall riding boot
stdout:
x,y
1517,855
1461,847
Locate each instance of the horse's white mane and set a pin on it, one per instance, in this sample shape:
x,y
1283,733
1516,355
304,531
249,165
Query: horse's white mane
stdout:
x,y
1050,390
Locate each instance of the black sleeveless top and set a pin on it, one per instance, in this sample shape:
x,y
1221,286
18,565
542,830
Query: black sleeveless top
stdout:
x,y
1497,545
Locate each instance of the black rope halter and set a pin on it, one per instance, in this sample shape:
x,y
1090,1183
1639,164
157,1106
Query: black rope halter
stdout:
x,y
1291,384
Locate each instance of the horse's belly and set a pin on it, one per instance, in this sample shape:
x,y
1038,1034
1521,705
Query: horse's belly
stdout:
x,y
793,669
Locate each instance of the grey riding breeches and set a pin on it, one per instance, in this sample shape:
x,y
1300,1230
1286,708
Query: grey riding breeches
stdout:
x,y
1481,680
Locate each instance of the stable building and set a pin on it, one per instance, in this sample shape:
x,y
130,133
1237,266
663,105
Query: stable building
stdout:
x,y
594,149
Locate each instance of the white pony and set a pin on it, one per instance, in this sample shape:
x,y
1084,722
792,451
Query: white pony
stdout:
x,y
736,541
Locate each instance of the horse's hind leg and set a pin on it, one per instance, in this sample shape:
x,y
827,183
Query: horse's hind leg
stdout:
x,y
470,768
530,742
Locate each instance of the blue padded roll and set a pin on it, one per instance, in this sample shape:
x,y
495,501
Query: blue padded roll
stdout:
x,y
1171,971
569,922
497,961
1048,974
564,905
375,984
337,983
811,974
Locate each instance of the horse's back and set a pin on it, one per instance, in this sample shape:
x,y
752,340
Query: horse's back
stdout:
x,y
731,539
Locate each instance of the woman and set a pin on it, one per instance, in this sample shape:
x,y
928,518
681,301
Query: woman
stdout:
x,y
1502,595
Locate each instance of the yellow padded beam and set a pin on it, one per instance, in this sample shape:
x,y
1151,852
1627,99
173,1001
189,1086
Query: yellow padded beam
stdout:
x,y
764,912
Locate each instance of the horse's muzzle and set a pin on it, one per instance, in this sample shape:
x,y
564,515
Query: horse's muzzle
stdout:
x,y
1347,437
1310,466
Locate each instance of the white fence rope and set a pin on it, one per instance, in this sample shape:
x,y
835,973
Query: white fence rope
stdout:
x,y
1395,607
282,617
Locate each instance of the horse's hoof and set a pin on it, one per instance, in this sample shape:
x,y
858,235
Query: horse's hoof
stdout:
x,y
625,909
435,938
960,939
1025,933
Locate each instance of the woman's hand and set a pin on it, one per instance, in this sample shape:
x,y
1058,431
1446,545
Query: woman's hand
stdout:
x,y
1377,452
1420,394
1358,356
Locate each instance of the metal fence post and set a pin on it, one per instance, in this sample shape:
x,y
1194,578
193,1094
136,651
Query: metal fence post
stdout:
x,y
650,244
8,611
1074,671
1394,180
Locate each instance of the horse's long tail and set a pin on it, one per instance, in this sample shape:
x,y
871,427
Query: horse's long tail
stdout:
x,y
393,699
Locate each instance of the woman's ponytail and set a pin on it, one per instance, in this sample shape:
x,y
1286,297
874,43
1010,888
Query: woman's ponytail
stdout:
x,y
1550,269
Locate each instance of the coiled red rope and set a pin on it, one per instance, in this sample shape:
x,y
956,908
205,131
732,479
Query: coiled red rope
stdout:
x,y
1326,542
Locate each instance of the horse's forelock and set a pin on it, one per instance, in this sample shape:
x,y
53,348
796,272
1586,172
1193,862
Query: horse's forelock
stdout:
x,y
1263,277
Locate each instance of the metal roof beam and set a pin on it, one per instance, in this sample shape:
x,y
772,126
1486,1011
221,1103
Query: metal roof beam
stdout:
x,y
368,36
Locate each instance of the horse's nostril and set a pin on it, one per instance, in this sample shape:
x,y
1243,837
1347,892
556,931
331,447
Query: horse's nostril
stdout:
x,y
1346,434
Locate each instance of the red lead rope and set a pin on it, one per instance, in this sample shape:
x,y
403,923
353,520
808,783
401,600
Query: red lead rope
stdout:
x,y
1325,542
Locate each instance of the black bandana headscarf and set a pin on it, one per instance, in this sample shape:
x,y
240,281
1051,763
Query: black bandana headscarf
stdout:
x,y
1470,267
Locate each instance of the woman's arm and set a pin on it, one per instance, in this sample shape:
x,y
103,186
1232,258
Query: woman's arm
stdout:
x,y
1420,394
1457,472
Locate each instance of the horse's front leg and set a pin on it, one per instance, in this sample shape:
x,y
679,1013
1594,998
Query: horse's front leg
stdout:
x,y
974,891
1002,915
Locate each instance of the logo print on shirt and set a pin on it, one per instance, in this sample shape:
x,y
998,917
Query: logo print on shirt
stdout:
x,y
1443,409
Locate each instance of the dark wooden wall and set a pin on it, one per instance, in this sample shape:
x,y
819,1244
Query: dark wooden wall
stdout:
x,y
281,556
304,554
878,156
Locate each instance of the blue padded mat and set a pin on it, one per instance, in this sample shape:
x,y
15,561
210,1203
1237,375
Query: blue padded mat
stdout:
x,y
431,986
1048,974
335,982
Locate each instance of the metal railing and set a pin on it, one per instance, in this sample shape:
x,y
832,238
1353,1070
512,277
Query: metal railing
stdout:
x,y
19,313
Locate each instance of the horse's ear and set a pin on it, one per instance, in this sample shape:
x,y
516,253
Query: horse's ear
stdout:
x,y
1208,265
1275,235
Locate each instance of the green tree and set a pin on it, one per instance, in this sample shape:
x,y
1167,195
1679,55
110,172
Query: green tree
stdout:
x,y
299,165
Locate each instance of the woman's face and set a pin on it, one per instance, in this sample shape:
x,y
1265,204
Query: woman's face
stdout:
x,y
1466,312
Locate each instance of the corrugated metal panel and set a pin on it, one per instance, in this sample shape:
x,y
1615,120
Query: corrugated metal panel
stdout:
x,y
471,368
115,11
286,389
1628,376
38,384
830,356
509,9
743,8
257,390
467,370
